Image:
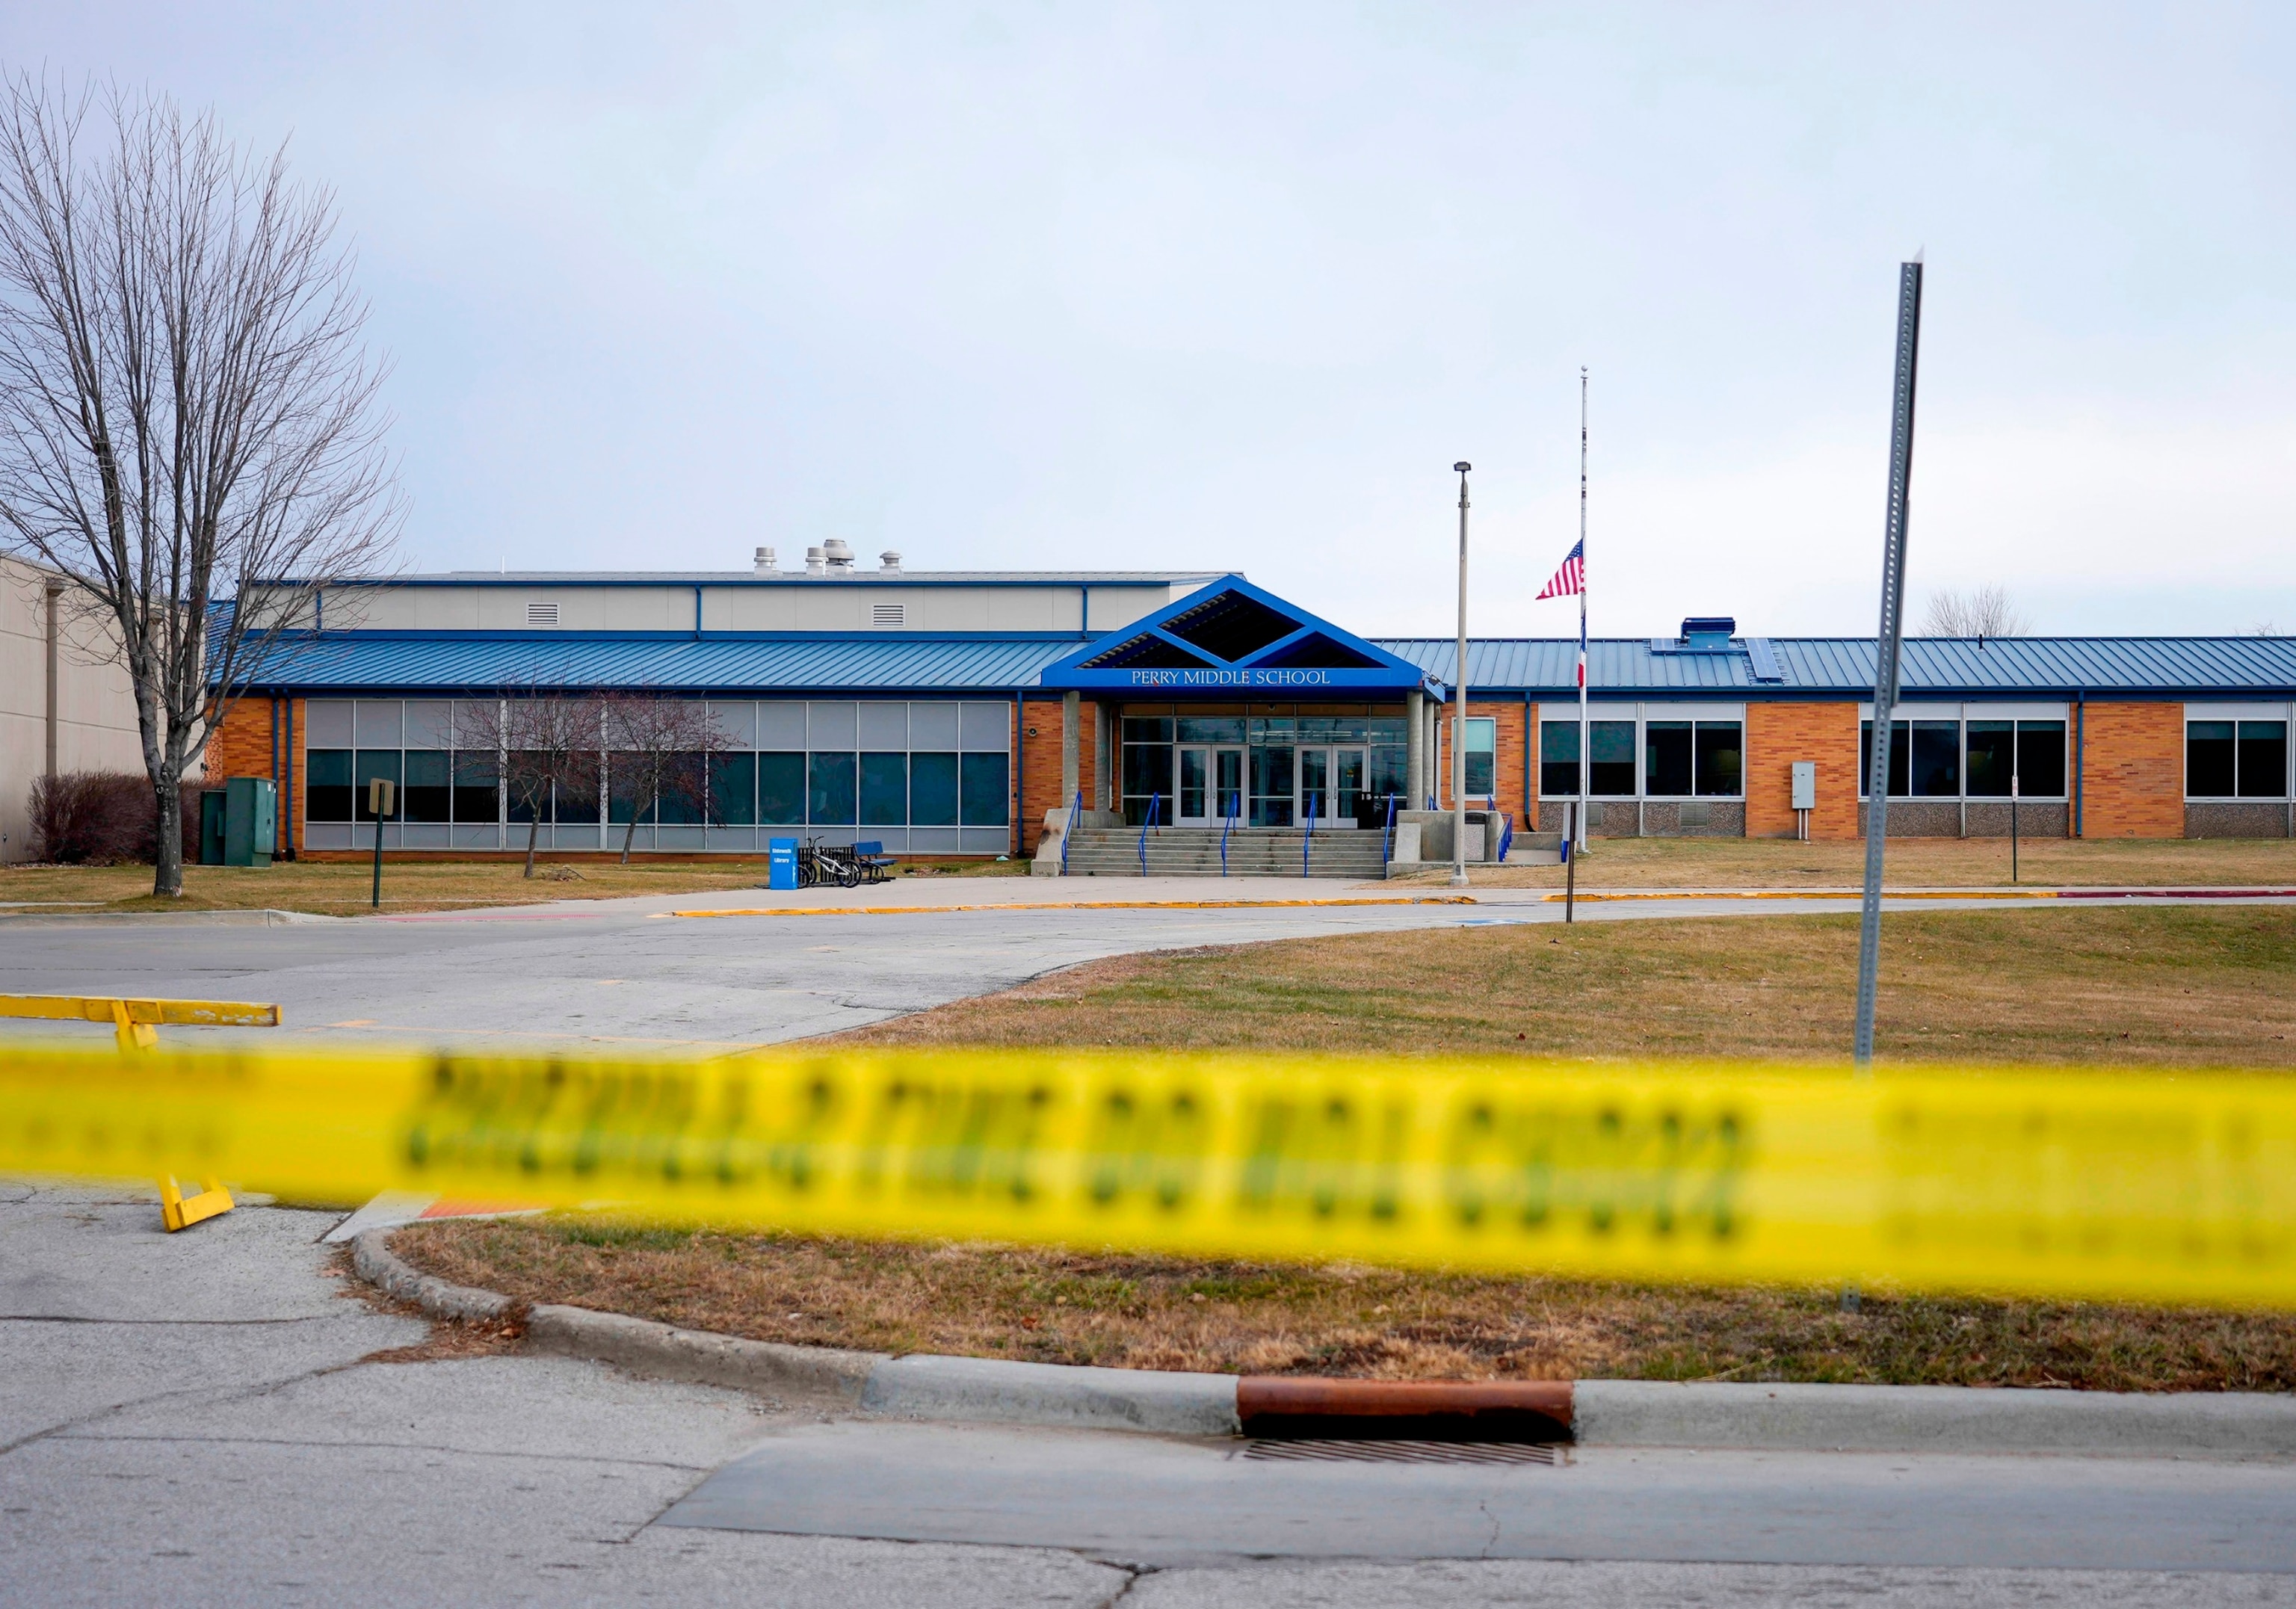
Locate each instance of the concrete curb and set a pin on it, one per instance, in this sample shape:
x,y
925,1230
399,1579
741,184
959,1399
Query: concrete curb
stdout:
x,y
1944,1419
1934,1419
922,1386
231,918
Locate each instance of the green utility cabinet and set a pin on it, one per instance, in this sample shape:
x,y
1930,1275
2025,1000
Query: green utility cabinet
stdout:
x,y
211,826
250,820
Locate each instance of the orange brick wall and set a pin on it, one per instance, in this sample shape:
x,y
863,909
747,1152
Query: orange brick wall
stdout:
x,y
242,747
2133,771
1040,762
1507,778
1777,735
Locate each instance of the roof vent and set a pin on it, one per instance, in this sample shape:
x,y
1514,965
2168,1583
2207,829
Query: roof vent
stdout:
x,y
816,562
838,555
542,614
1707,631
891,561
767,564
888,617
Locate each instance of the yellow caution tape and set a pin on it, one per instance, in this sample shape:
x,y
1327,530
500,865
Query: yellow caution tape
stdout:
x,y
2158,1186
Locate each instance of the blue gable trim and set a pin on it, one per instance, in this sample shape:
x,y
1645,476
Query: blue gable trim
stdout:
x,y
1262,667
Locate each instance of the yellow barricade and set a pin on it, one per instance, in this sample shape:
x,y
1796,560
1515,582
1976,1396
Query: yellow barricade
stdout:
x,y
2104,1184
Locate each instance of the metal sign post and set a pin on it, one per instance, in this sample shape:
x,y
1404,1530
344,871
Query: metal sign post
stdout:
x,y
381,796
1570,863
1459,705
1885,660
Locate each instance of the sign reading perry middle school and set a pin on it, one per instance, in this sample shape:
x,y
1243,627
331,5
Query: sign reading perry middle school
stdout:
x,y
1240,676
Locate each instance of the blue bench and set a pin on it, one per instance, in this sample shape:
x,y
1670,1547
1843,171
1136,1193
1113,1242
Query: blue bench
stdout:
x,y
871,854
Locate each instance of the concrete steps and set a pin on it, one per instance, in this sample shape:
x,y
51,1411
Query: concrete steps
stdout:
x,y
1193,853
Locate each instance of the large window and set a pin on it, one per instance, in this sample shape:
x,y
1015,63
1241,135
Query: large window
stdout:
x,y
1683,753
1482,755
2234,759
1940,755
926,777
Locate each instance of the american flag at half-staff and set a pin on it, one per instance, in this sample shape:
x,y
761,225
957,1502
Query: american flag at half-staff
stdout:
x,y
1570,580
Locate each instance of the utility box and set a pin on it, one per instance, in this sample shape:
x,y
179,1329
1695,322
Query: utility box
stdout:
x,y
781,863
211,812
1805,784
250,820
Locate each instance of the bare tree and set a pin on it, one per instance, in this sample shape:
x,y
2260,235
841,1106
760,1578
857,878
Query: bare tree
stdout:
x,y
1979,612
186,407
546,746
660,753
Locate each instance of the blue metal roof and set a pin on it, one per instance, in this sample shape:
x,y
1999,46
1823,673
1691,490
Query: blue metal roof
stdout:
x,y
476,661
1000,662
1933,667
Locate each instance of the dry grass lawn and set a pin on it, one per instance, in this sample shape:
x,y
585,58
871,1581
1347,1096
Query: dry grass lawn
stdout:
x,y
2187,986
1661,863
1138,1312
344,889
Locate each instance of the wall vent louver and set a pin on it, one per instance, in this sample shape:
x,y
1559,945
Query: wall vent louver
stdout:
x,y
889,616
542,614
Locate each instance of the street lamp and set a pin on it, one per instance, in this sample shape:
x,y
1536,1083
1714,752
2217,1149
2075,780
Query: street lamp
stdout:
x,y
1459,709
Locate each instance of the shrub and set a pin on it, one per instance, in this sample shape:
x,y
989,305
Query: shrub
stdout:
x,y
103,818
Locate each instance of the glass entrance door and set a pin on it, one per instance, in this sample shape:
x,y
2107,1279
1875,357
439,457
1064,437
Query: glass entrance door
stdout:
x,y
1211,786
1331,786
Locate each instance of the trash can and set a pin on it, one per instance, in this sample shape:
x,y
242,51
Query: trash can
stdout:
x,y
781,863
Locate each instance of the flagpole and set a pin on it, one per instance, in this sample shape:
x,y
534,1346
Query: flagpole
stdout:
x,y
1586,765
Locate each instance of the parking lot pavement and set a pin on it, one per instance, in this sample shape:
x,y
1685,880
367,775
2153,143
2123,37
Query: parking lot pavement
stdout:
x,y
189,1418
626,973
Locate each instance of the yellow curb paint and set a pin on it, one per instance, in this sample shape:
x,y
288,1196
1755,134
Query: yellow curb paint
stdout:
x,y
1069,905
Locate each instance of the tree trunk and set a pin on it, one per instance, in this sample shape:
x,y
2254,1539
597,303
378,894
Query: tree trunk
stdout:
x,y
533,831
167,838
630,832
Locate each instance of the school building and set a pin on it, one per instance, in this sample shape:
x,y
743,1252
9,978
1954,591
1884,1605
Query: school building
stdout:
x,y
947,713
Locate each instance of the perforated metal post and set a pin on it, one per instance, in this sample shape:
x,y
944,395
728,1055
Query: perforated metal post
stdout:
x,y
1890,639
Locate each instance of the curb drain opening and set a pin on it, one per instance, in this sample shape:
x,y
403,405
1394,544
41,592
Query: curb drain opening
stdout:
x,y
1550,1454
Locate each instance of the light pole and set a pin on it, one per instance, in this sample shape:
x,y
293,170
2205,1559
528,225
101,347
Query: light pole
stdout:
x,y
1459,708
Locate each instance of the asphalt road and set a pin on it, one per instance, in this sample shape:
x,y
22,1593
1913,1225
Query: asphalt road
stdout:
x,y
627,972
189,1418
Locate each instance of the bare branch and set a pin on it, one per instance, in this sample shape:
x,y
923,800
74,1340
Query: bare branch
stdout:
x,y
546,746
186,407
1979,612
660,750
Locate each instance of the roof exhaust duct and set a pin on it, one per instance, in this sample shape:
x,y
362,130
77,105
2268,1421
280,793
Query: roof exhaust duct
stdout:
x,y
816,562
890,561
767,564
840,555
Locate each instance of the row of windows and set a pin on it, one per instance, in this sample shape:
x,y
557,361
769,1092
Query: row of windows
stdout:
x,y
1968,759
880,789
847,724
1675,758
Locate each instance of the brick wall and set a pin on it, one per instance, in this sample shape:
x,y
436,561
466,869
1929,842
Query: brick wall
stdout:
x,y
1507,778
1778,734
242,747
2133,771
1040,761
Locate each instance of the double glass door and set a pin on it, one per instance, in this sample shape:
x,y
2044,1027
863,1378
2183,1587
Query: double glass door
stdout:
x,y
1211,786
1331,786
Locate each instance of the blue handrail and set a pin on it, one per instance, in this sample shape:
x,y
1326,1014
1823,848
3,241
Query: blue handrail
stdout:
x,y
1154,802
1387,843
1075,810
1235,807
1307,838
1506,834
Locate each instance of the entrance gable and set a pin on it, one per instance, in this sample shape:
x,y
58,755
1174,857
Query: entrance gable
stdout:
x,y
1232,636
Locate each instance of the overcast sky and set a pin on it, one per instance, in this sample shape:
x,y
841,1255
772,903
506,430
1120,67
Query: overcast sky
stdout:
x,y
1019,286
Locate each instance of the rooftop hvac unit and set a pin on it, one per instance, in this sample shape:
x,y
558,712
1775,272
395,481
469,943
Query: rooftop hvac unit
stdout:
x,y
542,614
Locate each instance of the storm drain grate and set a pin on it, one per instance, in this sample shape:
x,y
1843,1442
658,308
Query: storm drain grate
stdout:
x,y
1405,1452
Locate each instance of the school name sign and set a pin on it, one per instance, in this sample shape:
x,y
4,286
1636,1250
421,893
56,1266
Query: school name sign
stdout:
x,y
1256,676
